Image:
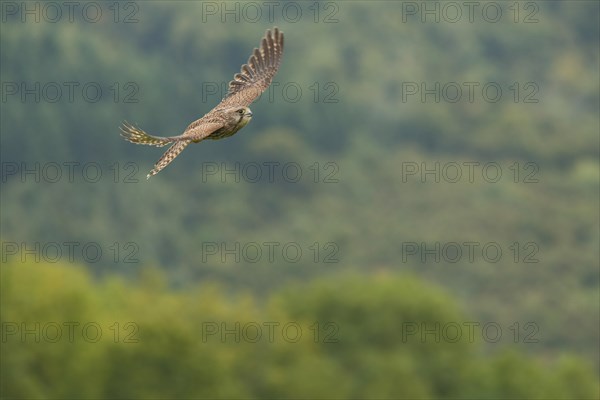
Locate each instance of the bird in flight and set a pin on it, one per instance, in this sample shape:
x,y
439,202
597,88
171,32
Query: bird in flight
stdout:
x,y
231,114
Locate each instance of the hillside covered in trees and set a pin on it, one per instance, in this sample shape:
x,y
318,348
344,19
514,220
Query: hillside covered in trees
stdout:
x,y
418,192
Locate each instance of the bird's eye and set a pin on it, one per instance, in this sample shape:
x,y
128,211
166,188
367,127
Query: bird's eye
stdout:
x,y
241,111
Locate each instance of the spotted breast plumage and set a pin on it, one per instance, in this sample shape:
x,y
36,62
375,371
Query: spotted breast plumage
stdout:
x,y
231,114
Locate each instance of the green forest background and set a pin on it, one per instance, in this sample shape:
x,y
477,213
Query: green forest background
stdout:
x,y
363,302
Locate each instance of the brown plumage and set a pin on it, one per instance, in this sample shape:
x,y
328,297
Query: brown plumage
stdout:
x,y
231,114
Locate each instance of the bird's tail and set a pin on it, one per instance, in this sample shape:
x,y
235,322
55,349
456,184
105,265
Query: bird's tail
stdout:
x,y
138,136
168,156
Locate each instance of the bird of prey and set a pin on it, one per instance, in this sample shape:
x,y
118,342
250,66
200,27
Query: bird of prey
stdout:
x,y
231,114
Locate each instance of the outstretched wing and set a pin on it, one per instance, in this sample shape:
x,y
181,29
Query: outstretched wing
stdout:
x,y
255,76
169,156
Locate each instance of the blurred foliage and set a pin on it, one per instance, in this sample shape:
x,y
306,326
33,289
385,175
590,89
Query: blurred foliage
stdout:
x,y
171,354
370,134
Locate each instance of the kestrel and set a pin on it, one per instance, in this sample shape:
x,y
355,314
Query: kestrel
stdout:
x,y
231,114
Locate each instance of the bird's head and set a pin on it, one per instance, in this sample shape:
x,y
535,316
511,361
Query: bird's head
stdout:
x,y
243,115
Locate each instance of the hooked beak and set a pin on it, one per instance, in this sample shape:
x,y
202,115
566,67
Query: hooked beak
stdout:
x,y
249,113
